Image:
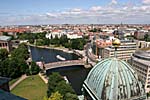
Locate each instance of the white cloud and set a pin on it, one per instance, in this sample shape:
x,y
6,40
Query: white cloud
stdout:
x,y
96,8
147,2
95,14
113,2
51,14
76,10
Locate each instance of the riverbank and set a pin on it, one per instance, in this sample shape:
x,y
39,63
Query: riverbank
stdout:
x,y
53,47
66,50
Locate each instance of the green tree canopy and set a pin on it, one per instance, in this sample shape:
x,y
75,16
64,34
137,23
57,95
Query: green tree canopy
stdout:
x,y
56,96
3,54
35,69
15,65
57,83
10,68
21,52
64,88
70,96
53,80
147,37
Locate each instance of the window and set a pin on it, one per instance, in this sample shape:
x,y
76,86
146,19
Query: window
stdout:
x,y
148,86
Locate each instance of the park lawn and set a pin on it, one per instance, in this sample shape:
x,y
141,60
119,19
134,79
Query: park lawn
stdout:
x,y
32,88
13,81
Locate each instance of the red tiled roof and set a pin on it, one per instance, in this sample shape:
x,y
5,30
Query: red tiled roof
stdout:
x,y
20,30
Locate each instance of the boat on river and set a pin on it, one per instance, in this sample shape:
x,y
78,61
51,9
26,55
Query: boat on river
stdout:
x,y
60,58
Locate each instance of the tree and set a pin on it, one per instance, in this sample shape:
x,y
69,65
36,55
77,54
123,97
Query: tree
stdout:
x,y
15,65
34,68
53,80
14,70
57,83
80,42
146,36
23,65
46,41
64,88
3,54
5,33
39,42
70,96
63,40
56,96
55,41
45,98
20,52
10,68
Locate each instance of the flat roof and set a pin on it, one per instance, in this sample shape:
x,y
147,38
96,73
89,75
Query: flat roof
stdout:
x,y
8,96
5,38
121,49
143,54
142,61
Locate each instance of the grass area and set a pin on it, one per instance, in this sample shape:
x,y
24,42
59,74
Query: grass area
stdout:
x,y
32,88
13,81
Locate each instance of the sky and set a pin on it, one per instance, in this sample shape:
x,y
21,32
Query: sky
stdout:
x,y
33,12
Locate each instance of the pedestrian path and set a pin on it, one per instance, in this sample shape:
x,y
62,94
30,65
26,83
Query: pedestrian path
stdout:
x,y
43,78
18,81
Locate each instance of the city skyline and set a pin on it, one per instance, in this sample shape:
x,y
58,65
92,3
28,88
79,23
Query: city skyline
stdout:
x,y
27,12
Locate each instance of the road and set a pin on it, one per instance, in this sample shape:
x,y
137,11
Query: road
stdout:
x,y
88,54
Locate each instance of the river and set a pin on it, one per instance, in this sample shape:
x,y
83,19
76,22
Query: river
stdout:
x,y
75,74
50,55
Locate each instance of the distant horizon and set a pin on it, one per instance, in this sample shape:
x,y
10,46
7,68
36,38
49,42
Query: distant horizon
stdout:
x,y
35,12
68,24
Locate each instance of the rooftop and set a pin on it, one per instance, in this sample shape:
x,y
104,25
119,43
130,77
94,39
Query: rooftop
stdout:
x,y
8,96
142,61
113,78
4,80
5,38
143,54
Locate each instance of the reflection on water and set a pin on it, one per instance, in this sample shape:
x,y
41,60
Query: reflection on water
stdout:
x,y
75,74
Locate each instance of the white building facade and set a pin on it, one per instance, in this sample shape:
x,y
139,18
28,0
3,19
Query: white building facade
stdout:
x,y
124,51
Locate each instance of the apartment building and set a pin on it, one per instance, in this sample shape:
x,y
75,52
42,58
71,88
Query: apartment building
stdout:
x,y
141,64
124,51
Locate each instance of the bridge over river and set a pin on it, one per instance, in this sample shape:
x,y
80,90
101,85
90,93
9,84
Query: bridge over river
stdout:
x,y
64,63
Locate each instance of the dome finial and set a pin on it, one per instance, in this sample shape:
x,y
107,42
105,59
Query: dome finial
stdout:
x,y
116,43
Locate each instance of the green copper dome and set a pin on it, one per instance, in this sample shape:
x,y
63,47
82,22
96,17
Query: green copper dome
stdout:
x,y
113,79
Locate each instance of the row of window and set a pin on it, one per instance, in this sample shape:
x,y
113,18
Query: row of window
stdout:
x,y
3,44
142,70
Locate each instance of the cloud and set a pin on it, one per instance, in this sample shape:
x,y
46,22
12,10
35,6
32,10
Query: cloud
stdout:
x,y
113,2
76,10
147,2
51,15
96,8
95,15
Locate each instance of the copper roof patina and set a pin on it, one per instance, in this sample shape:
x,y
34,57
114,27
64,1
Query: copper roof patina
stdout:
x,y
113,79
